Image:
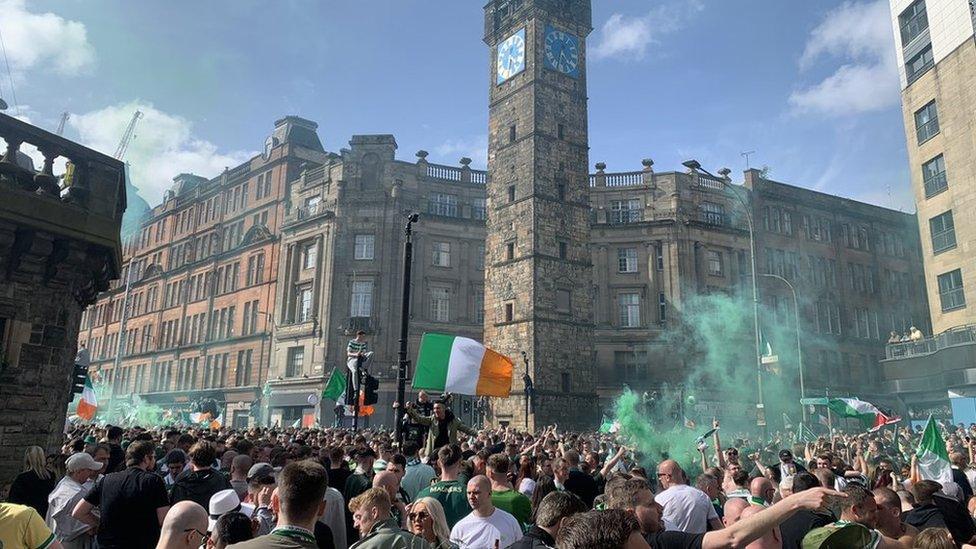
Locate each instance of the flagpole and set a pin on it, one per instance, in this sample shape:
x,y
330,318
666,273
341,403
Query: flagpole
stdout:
x,y
830,420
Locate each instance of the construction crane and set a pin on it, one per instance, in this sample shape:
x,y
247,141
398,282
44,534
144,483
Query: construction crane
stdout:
x,y
64,118
127,136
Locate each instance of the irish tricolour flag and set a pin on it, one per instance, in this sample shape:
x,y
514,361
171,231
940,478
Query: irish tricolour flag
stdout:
x,y
88,403
933,459
868,413
462,366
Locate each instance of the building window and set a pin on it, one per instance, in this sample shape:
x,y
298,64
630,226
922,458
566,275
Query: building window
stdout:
x,y
560,131
478,209
934,176
629,310
442,204
362,299
714,259
566,382
442,254
563,250
662,307
625,211
951,291
562,300
912,22
509,251
304,305
509,312
479,258
242,376
440,305
926,122
479,307
712,213
309,255
364,246
917,65
943,232
296,359
627,260
512,134
659,257
511,193
631,365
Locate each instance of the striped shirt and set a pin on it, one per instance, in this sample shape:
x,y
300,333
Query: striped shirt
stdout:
x,y
356,346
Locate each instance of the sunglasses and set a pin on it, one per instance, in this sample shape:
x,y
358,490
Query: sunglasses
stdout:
x,y
204,537
418,516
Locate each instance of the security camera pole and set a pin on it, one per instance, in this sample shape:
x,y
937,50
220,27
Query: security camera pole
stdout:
x,y
402,363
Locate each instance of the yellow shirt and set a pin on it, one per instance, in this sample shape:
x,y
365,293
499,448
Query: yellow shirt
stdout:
x,y
22,528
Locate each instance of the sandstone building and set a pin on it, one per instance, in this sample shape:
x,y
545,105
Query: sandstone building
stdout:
x,y
203,272
936,51
58,250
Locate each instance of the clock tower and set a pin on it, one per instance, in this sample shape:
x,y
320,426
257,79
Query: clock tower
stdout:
x,y
538,287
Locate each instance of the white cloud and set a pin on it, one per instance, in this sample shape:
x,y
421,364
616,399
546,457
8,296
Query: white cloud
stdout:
x,y
630,37
860,35
474,148
44,39
163,147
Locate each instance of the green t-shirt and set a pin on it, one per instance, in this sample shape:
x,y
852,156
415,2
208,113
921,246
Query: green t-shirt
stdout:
x,y
452,497
514,503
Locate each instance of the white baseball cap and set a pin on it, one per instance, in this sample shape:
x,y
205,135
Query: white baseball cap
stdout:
x,y
82,460
224,501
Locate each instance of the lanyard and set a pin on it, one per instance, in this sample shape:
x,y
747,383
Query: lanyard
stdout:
x,y
294,532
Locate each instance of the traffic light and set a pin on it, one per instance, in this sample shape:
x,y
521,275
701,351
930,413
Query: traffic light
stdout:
x,y
370,386
78,376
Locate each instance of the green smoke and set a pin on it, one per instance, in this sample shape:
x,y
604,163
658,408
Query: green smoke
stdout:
x,y
704,366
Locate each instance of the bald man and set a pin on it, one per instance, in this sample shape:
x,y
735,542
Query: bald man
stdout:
x,y
487,524
686,509
185,526
390,482
761,492
733,511
771,539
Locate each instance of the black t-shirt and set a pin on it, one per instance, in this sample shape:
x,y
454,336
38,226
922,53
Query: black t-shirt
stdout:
x,y
674,540
794,528
338,477
128,501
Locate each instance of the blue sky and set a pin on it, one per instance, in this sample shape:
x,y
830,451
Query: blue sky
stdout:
x,y
812,87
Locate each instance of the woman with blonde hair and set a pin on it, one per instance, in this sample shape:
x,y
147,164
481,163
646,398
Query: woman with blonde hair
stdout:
x,y
426,519
36,482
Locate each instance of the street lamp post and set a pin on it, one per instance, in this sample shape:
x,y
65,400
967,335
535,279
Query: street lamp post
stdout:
x,y
799,351
755,298
402,363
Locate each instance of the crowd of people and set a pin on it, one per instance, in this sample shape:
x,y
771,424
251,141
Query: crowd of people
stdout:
x,y
452,486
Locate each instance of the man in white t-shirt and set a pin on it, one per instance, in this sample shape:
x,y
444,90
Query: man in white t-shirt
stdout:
x,y
486,524
686,509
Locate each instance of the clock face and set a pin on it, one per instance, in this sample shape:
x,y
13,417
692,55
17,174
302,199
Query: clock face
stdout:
x,y
562,52
511,56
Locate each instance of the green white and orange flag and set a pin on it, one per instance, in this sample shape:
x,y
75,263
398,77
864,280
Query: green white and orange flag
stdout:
x,y
463,366
88,403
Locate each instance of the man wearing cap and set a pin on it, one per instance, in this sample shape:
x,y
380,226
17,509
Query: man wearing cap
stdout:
x,y
260,486
72,533
787,466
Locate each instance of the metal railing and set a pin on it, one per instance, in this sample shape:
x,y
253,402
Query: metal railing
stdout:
x,y
953,336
